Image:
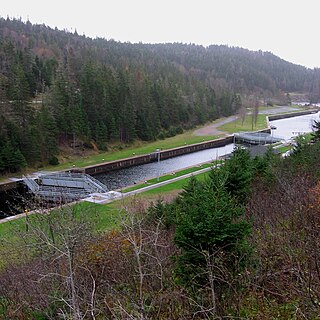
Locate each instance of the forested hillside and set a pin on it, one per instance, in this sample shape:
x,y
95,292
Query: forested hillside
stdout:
x,y
61,88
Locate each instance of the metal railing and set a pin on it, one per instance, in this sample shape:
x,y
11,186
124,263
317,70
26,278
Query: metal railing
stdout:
x,y
31,184
64,186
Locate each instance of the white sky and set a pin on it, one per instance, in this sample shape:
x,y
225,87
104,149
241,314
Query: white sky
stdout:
x,y
288,28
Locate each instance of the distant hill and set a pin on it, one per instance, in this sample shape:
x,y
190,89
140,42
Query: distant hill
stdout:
x,y
58,87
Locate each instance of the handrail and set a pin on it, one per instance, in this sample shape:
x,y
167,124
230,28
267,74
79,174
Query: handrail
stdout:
x,y
32,185
71,186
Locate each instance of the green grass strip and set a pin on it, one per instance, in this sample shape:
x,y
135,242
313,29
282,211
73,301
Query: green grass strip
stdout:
x,y
178,185
247,125
139,148
167,177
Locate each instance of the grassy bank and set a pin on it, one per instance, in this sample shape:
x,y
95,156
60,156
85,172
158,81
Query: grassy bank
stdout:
x,y
138,148
100,218
175,186
247,125
167,177
250,125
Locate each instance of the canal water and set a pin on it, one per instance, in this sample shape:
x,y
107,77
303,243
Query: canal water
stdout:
x,y
128,176
291,127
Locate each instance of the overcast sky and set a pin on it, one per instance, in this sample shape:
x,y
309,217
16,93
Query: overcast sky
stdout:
x,y
288,28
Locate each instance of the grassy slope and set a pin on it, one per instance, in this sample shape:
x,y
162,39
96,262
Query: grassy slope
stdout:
x,y
167,177
178,185
137,149
102,217
247,125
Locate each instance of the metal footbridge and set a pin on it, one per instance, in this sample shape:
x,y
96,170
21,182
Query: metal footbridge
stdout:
x,y
60,187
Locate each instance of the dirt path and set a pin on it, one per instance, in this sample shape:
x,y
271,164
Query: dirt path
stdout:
x,y
211,130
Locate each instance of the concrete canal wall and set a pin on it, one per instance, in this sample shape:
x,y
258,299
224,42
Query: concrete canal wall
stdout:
x,y
291,115
6,186
166,154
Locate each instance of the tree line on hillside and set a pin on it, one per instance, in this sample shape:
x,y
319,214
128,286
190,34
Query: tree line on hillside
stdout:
x,y
58,88
76,96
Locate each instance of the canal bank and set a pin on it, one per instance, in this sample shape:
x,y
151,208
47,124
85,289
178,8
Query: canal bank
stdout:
x,y
153,157
159,155
135,160
291,115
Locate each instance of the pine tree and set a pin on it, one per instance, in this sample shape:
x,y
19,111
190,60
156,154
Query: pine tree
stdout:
x,y
12,158
46,131
316,131
2,162
239,173
60,102
209,220
127,118
20,95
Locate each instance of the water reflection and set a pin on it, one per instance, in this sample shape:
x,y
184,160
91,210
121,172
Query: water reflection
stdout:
x,y
128,176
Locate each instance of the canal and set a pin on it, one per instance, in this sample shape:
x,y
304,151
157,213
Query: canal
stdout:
x,y
286,128
10,203
291,127
128,176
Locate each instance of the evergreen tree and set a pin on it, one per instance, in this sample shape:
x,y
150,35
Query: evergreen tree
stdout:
x,y
127,118
239,174
60,103
79,126
316,131
300,143
13,158
46,133
209,220
20,95
2,160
